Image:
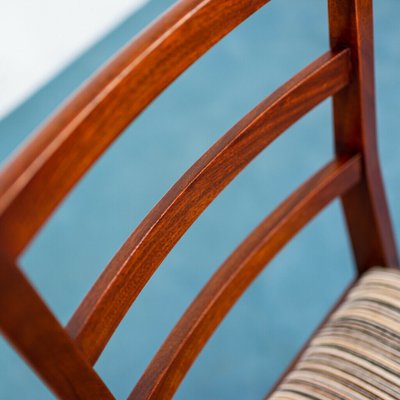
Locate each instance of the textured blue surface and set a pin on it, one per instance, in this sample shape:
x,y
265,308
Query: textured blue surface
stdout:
x,y
269,324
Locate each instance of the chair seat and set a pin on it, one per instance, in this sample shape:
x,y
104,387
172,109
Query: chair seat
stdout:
x,y
356,354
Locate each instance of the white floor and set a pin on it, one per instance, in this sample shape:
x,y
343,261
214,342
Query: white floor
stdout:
x,y
38,38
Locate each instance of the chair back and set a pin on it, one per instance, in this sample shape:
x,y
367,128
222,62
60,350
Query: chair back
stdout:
x,y
43,172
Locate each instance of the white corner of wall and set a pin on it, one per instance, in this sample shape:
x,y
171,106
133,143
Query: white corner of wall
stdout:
x,y
38,38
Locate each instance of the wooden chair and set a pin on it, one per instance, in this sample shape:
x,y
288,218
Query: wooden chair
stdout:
x,y
37,179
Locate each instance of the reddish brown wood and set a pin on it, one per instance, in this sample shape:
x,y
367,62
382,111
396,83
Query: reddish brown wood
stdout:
x,y
119,285
40,176
366,210
365,205
33,330
176,355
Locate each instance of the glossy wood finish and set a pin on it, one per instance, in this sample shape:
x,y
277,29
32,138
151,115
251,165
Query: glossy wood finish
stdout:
x,y
366,210
133,265
365,206
189,336
41,175
45,170
30,326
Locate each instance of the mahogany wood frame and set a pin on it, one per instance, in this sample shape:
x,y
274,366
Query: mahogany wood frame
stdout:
x,y
36,180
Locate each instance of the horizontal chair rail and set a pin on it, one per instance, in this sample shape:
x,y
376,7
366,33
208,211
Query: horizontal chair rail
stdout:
x,y
33,330
176,355
40,176
107,302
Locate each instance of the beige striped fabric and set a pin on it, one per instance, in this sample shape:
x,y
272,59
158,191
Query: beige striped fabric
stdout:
x,y
356,355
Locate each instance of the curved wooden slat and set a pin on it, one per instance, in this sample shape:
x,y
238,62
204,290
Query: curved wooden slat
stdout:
x,y
124,278
33,330
40,176
176,355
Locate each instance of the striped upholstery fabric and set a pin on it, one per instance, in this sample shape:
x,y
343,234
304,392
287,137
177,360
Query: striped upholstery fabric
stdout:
x,y
356,355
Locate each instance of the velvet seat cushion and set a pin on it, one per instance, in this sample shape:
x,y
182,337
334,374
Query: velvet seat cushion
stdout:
x,y
356,354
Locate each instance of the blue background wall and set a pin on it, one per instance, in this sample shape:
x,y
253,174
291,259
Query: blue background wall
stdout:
x,y
272,320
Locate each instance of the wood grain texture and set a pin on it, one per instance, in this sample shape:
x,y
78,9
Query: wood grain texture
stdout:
x,y
133,265
45,170
168,368
365,207
50,164
33,330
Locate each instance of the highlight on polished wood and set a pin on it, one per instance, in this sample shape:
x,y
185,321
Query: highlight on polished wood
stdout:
x,y
366,211
29,325
39,177
136,261
189,336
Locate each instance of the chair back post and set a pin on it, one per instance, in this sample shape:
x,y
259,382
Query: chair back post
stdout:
x,y
365,206
39,177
